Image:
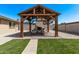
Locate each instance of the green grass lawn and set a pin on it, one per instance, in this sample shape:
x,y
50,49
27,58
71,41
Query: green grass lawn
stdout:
x,y
58,46
15,46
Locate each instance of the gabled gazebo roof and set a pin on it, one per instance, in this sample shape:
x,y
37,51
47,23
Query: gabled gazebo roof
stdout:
x,y
41,7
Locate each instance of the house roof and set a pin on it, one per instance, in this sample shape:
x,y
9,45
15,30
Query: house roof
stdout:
x,y
6,18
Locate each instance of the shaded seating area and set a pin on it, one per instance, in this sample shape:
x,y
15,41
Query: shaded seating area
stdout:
x,y
38,30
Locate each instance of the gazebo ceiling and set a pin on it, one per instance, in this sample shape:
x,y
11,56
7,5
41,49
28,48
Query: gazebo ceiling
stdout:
x,y
39,10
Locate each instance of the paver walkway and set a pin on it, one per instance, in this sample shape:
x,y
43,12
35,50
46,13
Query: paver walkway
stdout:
x,y
31,48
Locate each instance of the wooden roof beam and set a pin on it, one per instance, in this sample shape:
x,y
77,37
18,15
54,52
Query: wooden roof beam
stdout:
x,y
38,15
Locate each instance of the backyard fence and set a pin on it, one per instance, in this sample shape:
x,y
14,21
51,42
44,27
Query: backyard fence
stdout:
x,y
69,27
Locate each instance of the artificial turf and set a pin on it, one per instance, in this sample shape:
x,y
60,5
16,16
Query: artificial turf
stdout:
x,y
15,46
58,46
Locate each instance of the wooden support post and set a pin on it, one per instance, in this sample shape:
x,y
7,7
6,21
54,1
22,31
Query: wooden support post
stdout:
x,y
0,21
21,27
47,26
56,26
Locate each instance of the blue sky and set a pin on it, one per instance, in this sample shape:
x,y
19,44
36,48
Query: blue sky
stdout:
x,y
69,12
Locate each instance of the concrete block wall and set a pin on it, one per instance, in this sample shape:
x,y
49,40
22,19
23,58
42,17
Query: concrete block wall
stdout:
x,y
70,28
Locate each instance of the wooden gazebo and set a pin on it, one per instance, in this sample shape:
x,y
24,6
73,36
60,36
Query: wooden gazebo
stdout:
x,y
37,12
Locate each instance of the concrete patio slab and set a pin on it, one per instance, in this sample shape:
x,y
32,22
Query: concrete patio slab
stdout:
x,y
4,40
4,33
66,35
